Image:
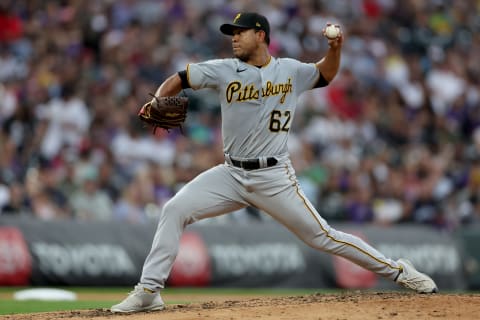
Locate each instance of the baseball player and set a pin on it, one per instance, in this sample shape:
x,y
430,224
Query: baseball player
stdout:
x,y
258,95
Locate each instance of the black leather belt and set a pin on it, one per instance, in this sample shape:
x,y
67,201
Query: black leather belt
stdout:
x,y
253,164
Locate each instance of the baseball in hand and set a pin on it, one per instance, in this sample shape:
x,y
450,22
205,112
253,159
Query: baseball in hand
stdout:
x,y
332,31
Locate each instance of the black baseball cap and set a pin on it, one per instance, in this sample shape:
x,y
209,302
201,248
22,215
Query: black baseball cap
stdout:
x,y
247,20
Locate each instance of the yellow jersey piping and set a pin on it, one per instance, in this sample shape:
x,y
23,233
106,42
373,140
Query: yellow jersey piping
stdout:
x,y
267,63
188,75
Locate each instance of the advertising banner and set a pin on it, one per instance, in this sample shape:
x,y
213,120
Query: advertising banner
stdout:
x,y
245,255
469,239
15,259
79,253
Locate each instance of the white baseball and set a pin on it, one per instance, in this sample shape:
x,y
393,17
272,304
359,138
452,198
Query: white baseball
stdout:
x,y
332,31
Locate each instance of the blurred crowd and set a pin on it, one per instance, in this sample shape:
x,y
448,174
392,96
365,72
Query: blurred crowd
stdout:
x,y
394,138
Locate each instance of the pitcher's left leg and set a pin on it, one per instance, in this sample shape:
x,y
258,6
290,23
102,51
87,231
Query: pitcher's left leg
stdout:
x,y
211,193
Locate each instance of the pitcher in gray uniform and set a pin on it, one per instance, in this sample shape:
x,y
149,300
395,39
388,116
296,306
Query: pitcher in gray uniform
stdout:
x,y
258,94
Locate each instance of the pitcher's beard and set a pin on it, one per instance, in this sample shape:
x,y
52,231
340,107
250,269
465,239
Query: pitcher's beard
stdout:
x,y
243,57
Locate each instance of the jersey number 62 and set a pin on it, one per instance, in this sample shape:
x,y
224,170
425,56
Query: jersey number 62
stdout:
x,y
280,121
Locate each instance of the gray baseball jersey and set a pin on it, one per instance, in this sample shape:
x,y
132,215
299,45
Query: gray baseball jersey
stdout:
x,y
257,105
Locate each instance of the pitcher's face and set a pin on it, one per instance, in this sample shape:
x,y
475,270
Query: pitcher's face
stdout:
x,y
244,43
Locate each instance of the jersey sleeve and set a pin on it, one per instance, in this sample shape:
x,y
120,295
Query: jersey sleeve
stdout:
x,y
205,74
307,76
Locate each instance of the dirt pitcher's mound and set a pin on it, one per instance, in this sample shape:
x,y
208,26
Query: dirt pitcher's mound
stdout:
x,y
350,305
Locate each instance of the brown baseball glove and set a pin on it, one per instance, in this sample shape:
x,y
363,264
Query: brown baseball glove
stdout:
x,y
164,112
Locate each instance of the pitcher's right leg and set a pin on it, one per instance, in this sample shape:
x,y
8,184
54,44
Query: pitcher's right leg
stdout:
x,y
294,210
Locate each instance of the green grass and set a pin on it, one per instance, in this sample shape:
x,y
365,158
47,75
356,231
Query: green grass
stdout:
x,y
10,306
13,307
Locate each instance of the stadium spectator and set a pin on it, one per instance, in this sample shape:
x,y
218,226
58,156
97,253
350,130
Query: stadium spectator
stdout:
x,y
89,201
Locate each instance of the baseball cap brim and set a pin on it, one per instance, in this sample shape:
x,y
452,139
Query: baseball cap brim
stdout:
x,y
228,28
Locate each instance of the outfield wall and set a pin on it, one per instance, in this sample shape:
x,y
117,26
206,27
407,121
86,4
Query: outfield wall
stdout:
x,y
60,253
